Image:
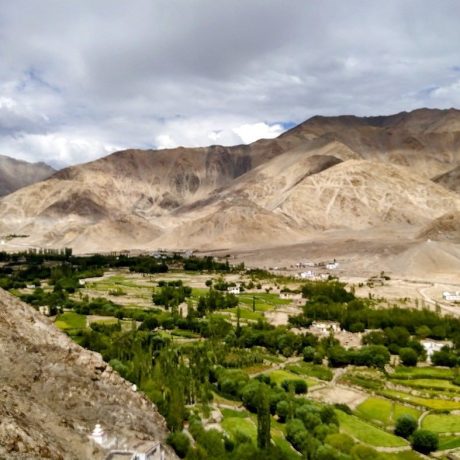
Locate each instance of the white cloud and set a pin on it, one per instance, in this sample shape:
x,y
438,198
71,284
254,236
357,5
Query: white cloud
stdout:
x,y
252,132
63,149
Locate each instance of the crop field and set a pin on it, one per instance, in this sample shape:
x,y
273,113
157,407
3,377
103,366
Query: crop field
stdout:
x,y
402,372
430,384
449,442
368,433
278,376
442,423
436,404
384,411
405,455
70,321
310,370
242,425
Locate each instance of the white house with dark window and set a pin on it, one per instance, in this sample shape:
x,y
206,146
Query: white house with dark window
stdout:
x,y
451,296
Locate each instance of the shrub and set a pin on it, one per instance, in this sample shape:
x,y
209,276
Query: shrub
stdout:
x,y
405,426
425,441
408,356
282,409
180,442
343,408
308,354
299,386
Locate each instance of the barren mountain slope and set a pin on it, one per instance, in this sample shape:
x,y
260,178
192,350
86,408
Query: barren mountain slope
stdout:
x,y
237,223
15,174
53,392
444,228
426,140
450,179
139,199
363,194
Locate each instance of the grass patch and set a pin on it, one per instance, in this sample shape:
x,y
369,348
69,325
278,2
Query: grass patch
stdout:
x,y
70,320
367,433
442,423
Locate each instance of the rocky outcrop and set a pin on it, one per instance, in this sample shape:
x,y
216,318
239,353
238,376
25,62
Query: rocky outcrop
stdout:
x,y
53,392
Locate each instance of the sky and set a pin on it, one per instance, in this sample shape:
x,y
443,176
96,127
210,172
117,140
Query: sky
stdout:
x,y
81,78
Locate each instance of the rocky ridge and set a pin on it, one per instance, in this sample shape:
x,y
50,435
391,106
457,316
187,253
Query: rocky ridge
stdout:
x,y
53,392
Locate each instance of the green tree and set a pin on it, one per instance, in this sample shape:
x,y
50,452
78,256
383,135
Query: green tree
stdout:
x,y
425,441
180,442
263,418
405,425
408,356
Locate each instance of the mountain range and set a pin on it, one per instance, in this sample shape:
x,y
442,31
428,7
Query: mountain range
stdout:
x,y
15,174
342,175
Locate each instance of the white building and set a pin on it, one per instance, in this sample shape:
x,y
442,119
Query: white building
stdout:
x,y
307,275
44,310
291,295
432,346
451,296
325,327
142,451
233,290
332,265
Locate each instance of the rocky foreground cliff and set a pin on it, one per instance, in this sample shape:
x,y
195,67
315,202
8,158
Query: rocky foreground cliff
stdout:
x,y
53,392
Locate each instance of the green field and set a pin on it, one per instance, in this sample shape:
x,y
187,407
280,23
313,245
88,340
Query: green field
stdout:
x,y
367,433
431,384
278,376
234,425
437,404
312,370
442,423
449,442
70,320
405,455
402,372
384,411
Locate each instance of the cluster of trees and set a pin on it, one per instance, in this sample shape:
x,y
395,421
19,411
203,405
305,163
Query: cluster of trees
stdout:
x,y
207,263
215,300
171,293
423,441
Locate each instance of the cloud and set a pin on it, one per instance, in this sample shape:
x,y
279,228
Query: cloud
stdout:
x,y
252,132
78,79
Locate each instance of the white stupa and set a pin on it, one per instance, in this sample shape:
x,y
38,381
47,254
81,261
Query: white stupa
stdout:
x,y
98,435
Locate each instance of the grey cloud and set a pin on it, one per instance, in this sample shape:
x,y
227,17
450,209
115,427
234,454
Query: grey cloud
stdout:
x,y
115,74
